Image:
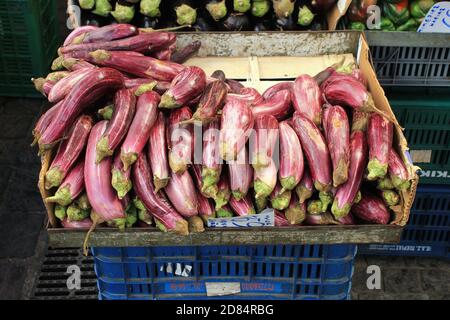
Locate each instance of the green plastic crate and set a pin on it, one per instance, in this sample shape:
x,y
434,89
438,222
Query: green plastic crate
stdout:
x,y
29,37
426,119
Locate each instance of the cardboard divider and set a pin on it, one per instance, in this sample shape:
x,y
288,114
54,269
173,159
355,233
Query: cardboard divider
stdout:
x,y
262,72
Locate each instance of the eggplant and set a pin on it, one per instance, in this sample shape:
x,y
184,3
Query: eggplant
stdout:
x,y
242,6
318,23
219,74
216,9
261,24
265,22
305,16
90,19
86,4
260,8
237,22
185,12
288,23
102,8
150,8
322,6
205,22
283,8
123,11
143,21
286,14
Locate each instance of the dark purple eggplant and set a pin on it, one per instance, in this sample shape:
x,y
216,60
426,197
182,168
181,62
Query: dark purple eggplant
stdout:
x,y
322,6
216,9
261,8
90,19
143,21
185,53
265,23
205,23
219,74
237,22
318,23
286,13
288,23
185,11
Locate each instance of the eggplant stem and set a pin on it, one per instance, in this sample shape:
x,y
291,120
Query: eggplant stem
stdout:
x,y
95,220
35,140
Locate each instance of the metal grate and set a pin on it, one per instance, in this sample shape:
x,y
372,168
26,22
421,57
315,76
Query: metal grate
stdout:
x,y
52,281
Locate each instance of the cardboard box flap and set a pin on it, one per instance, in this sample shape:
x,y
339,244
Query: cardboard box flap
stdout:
x,y
381,102
337,12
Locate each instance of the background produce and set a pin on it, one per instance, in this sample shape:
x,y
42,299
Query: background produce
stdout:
x,y
144,160
396,15
210,15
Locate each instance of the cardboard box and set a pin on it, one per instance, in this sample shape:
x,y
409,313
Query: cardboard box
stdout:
x,y
260,60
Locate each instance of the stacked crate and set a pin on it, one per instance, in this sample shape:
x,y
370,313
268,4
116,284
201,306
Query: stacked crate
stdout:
x,y
414,70
29,38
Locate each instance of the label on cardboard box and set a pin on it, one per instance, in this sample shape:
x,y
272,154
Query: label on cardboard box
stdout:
x,y
437,19
264,219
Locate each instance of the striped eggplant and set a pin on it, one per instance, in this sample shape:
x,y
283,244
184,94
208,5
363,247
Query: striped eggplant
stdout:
x,y
315,149
124,109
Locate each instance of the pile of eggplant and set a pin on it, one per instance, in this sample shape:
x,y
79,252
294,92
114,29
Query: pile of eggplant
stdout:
x,y
210,15
139,139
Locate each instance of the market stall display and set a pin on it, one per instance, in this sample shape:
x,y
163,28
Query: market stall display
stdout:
x,y
210,15
169,212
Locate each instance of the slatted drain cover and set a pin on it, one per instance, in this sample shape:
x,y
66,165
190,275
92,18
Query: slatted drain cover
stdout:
x,y
66,274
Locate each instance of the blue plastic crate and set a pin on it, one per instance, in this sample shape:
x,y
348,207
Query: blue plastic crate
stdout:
x,y
428,230
262,272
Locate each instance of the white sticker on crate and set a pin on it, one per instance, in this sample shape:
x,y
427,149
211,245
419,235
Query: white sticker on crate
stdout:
x,y
179,271
214,289
420,156
437,19
264,219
